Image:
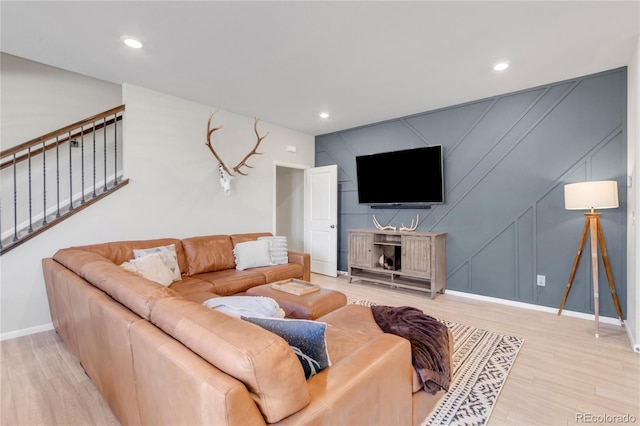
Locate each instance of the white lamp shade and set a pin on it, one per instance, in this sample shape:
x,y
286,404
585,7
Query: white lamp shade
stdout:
x,y
601,194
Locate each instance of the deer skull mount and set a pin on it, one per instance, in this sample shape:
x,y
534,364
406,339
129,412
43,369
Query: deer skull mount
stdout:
x,y
225,174
225,179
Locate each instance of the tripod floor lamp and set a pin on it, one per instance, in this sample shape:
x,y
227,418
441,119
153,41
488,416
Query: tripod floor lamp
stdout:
x,y
592,196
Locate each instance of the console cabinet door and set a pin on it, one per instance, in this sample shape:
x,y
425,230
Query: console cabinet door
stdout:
x,y
360,249
416,255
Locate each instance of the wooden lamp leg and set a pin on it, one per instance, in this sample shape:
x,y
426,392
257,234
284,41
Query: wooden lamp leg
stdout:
x,y
607,268
593,227
575,265
592,224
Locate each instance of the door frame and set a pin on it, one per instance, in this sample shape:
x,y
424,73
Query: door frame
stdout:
x,y
284,164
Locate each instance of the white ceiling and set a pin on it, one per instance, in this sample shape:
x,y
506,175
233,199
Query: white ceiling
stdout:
x,y
362,61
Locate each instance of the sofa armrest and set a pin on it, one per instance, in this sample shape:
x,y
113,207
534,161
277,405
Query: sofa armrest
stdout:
x,y
373,385
303,259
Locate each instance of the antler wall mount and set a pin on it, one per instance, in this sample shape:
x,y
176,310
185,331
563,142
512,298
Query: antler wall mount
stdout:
x,y
227,175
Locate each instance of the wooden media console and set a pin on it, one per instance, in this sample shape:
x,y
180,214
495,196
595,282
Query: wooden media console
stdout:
x,y
414,260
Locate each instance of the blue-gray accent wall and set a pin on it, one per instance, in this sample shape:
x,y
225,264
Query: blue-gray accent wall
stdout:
x,y
506,160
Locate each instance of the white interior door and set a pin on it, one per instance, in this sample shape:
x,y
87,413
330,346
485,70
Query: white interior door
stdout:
x,y
321,218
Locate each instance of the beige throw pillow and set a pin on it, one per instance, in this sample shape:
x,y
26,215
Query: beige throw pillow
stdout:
x,y
151,267
169,257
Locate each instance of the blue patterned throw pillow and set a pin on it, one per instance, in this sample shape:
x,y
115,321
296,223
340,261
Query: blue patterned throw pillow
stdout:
x,y
306,338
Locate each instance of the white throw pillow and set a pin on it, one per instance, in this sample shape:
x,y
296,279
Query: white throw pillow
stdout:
x,y
169,256
252,254
151,267
278,249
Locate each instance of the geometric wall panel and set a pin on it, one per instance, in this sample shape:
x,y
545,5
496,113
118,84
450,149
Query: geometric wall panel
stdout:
x,y
506,160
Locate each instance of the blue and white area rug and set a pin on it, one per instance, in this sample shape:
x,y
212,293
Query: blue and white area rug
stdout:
x,y
481,363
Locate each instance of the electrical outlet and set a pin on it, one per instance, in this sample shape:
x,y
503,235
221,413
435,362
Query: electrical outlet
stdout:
x,y
542,281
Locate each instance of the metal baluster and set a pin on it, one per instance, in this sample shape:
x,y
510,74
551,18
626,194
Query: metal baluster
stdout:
x,y
15,202
82,201
30,203
57,177
44,183
70,173
94,158
115,144
104,133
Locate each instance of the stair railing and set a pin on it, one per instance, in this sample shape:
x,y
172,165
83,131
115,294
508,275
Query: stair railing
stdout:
x,y
54,176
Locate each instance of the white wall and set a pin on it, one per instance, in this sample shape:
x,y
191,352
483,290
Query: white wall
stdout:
x,y
633,196
165,155
38,99
173,192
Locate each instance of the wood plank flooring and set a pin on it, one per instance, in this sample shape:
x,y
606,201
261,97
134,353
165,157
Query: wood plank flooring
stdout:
x,y
42,383
562,371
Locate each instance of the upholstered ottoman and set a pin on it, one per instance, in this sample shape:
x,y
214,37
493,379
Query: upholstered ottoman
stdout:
x,y
307,306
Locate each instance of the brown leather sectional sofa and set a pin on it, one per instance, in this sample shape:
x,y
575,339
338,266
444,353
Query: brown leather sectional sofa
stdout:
x,y
159,357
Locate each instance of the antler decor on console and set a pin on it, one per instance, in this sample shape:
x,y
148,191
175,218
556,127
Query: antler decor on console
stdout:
x,y
382,228
409,228
225,173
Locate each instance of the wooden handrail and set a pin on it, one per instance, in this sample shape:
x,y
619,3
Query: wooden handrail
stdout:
x,y
59,132
84,197
52,145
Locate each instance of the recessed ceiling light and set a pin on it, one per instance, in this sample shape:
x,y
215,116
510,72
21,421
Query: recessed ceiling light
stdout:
x,y
501,66
132,42
324,115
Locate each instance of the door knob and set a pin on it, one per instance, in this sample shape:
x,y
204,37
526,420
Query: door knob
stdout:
x,y
332,226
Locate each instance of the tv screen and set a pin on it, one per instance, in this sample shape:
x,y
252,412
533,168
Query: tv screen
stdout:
x,y
406,177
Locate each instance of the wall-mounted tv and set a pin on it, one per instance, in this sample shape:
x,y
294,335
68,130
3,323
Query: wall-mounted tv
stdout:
x,y
410,177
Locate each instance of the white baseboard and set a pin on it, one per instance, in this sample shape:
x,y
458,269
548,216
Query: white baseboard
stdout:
x,y
26,331
606,320
634,344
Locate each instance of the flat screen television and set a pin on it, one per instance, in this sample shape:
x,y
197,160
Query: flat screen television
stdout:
x,y
410,177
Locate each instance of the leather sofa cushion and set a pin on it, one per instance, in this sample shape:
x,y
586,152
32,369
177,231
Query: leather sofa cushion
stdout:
x,y
190,285
350,328
280,272
242,238
369,387
200,298
122,251
136,293
268,367
231,281
208,254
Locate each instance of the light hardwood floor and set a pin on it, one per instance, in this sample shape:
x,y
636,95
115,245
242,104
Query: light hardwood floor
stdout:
x,y
562,370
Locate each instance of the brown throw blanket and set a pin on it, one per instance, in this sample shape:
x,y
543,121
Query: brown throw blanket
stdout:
x,y
430,348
